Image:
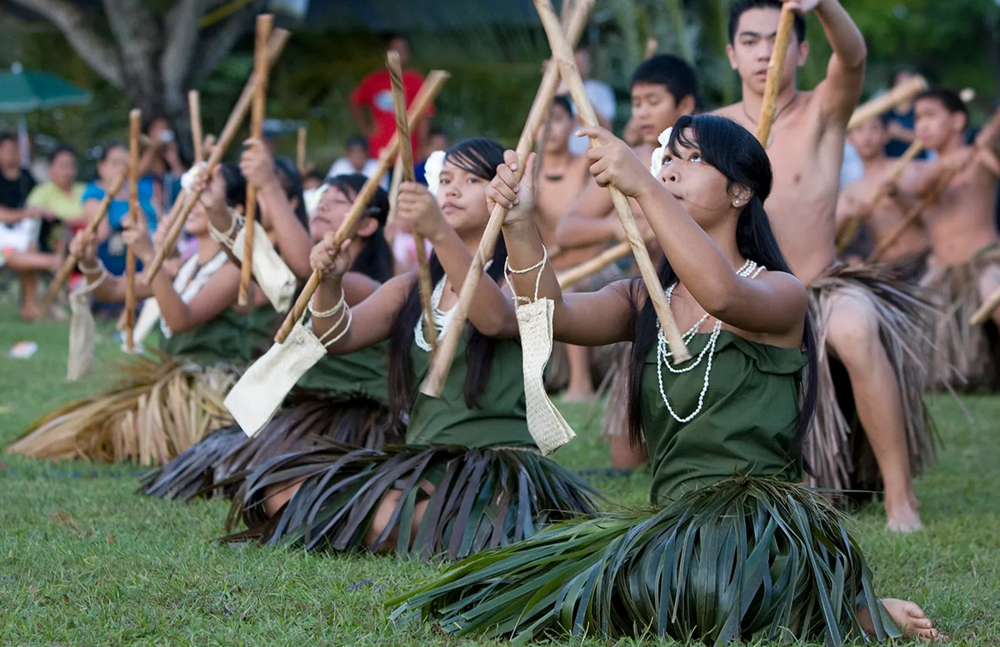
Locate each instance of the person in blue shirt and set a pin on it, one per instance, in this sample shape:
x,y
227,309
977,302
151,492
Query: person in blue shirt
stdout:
x,y
112,163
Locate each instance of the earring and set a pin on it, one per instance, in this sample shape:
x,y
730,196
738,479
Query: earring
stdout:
x,y
736,203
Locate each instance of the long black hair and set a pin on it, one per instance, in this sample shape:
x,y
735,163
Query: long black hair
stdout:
x,y
481,157
739,156
236,186
291,182
375,260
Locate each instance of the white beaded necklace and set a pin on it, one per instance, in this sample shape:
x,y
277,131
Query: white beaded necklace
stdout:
x,y
441,319
663,354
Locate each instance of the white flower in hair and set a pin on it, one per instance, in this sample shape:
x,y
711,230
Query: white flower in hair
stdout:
x,y
432,170
656,163
311,199
187,180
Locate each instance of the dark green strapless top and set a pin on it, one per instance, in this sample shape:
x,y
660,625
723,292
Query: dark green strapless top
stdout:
x,y
500,418
746,425
229,338
364,372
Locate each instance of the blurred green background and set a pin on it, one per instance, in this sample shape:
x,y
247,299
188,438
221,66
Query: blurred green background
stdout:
x,y
494,51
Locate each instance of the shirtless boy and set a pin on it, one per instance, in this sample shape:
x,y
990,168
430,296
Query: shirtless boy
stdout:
x,y
806,152
965,261
909,253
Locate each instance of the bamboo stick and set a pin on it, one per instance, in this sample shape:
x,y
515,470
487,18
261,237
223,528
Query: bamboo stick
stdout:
x,y
277,43
651,47
406,161
137,218
593,266
390,220
67,267
886,102
265,22
194,107
300,151
564,56
852,225
443,359
432,85
775,70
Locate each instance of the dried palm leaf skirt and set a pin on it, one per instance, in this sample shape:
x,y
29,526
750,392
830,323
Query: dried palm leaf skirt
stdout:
x,y
747,558
213,466
161,407
836,446
965,356
475,498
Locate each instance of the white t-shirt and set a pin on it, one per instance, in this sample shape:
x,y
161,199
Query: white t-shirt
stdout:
x,y
343,166
602,97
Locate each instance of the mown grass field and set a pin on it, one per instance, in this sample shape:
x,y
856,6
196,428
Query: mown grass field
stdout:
x,y
85,561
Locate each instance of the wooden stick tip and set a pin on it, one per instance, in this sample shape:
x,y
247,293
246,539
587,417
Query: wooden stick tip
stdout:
x,y
135,114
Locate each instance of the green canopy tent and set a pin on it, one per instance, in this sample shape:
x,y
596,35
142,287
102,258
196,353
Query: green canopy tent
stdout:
x,y
22,92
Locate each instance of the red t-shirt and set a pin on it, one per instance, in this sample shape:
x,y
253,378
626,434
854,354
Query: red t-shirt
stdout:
x,y
375,91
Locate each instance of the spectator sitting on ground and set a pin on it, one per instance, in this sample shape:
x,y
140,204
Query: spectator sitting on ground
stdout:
x,y
357,160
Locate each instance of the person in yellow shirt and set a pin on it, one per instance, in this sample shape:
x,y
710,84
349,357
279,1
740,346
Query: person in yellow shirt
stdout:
x,y
62,194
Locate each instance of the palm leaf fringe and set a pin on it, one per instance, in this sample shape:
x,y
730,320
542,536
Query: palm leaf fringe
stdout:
x,y
836,447
746,558
352,420
475,498
161,407
964,357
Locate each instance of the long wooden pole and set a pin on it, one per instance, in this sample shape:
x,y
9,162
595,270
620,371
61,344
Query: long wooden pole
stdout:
x,y
406,155
432,85
852,225
265,22
443,359
194,108
277,43
590,267
563,53
71,260
775,70
886,102
138,219
390,220
300,151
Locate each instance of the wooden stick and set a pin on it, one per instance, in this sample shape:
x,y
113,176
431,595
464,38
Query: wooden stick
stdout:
x,y
886,102
852,225
432,85
137,218
70,263
651,47
397,179
277,43
593,266
260,69
775,70
985,311
300,151
209,145
564,56
406,161
443,359
194,107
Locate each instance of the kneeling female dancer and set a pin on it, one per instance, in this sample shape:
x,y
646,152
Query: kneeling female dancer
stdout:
x,y
733,549
469,476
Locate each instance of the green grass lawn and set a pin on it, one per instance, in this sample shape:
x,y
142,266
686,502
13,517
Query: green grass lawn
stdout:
x,y
85,561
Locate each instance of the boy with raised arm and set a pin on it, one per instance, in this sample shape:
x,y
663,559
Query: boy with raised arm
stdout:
x,y
869,322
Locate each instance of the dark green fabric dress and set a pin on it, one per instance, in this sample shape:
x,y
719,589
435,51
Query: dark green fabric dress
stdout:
x,y
733,549
477,468
230,338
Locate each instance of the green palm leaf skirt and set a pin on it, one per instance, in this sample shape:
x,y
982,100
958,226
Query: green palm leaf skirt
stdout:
x,y
748,557
474,498
216,466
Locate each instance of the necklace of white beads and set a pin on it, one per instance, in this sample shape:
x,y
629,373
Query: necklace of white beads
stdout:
x,y
441,319
750,269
